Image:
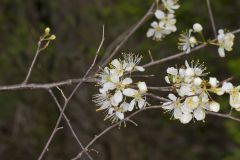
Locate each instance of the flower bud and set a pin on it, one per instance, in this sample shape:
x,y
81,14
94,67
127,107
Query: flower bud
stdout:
x,y
213,82
214,106
193,40
197,27
197,81
47,30
52,37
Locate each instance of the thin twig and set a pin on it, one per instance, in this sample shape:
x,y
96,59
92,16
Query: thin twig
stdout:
x,y
34,86
62,93
223,115
211,18
157,97
96,137
150,55
71,95
68,122
45,149
34,60
164,89
129,34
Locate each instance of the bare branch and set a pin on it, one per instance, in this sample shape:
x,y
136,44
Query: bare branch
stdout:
x,y
228,116
68,122
150,55
129,34
34,86
157,97
71,95
96,137
63,95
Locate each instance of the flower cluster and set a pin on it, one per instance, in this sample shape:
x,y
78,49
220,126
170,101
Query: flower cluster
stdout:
x,y
187,41
166,21
193,92
118,93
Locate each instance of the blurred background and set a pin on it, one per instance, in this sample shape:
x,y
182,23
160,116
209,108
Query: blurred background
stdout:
x,y
28,117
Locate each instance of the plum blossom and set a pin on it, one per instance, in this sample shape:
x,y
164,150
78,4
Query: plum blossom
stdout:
x,y
225,42
158,31
166,20
187,41
234,93
166,23
193,92
117,94
171,5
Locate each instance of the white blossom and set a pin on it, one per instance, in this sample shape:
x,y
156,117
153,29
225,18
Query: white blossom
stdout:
x,y
158,31
187,41
193,91
117,94
173,106
131,62
171,5
214,106
168,21
225,41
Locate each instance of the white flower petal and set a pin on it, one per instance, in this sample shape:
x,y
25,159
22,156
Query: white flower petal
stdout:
x,y
150,32
172,97
118,97
199,114
159,14
141,103
221,52
108,86
129,92
125,106
177,113
140,68
142,87
120,115
132,104
186,118
127,81
154,24
116,63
